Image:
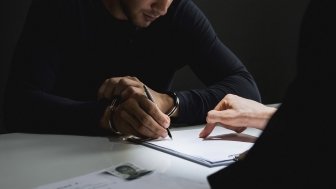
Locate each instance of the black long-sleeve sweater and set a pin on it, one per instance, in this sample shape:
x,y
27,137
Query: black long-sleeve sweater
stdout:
x,y
69,47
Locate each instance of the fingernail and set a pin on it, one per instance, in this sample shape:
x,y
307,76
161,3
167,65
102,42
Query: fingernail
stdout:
x,y
166,124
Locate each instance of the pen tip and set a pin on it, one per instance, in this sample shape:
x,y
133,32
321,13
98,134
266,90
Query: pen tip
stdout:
x,y
169,134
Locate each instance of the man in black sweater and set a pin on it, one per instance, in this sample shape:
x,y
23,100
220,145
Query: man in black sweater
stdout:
x,y
76,56
295,149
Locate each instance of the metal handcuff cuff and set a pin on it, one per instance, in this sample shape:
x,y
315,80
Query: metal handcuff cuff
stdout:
x,y
113,107
176,103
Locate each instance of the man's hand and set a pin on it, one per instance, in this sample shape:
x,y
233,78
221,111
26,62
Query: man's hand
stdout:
x,y
136,114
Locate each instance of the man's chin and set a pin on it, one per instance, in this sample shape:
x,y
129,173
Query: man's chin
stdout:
x,y
142,24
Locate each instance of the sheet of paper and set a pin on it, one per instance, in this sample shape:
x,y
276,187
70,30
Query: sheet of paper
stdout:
x,y
222,145
103,180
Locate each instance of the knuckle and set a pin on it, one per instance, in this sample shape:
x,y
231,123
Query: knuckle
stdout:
x,y
109,81
208,119
144,121
133,78
131,91
152,110
229,96
122,81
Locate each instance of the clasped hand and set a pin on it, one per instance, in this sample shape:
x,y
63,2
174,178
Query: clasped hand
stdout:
x,y
136,114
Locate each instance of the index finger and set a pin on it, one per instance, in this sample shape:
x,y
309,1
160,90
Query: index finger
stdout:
x,y
209,127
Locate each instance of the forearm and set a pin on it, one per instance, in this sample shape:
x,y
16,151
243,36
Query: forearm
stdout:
x,y
39,112
195,104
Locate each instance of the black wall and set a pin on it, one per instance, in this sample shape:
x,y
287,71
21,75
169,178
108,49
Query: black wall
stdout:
x,y
263,33
12,15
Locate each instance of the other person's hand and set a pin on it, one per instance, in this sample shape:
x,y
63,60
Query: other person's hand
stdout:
x,y
236,113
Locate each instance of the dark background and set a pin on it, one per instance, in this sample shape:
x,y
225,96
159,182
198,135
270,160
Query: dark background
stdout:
x,y
262,33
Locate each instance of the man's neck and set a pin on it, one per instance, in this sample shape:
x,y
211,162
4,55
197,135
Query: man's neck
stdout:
x,y
115,8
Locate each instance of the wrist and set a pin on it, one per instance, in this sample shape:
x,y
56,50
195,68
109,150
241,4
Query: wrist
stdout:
x,y
173,111
114,105
264,116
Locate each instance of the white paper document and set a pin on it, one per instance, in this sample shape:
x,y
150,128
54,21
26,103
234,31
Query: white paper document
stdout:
x,y
221,148
103,179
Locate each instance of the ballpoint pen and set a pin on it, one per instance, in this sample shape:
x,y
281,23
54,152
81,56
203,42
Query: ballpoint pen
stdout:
x,y
150,97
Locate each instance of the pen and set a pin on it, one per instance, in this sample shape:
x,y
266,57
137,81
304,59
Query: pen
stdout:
x,y
150,97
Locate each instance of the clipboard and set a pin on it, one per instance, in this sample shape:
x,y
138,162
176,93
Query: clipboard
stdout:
x,y
220,149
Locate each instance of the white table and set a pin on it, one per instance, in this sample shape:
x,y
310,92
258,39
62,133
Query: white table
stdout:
x,y
31,160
